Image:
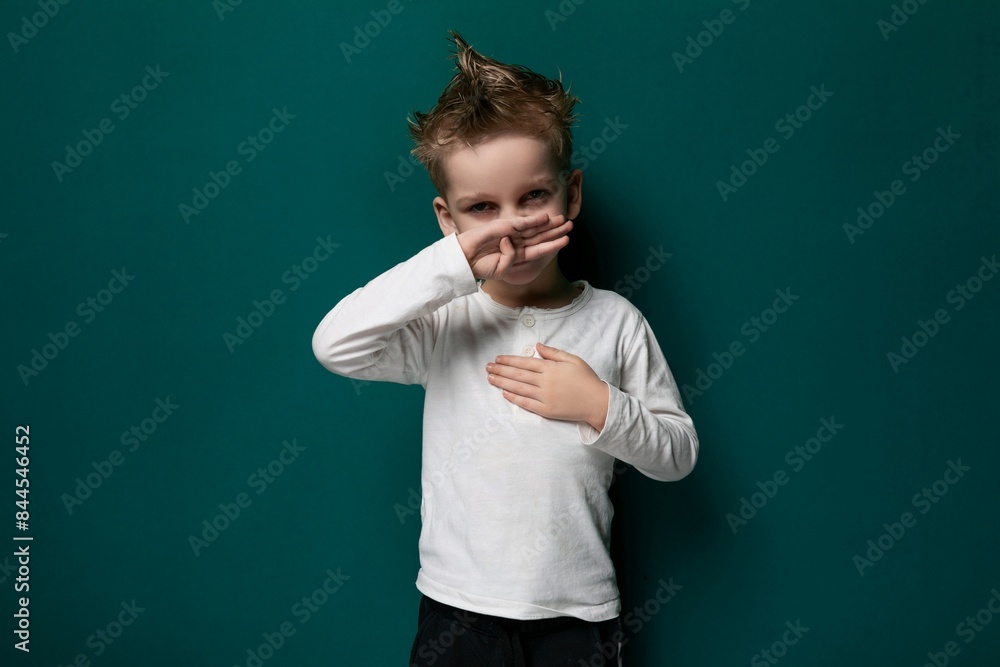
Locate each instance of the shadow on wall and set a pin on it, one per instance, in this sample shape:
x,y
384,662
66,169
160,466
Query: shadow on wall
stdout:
x,y
604,248
580,260
604,251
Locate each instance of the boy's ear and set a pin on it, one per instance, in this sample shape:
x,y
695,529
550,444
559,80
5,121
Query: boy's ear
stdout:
x,y
574,194
445,221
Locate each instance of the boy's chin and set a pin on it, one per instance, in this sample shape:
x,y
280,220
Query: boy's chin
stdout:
x,y
524,273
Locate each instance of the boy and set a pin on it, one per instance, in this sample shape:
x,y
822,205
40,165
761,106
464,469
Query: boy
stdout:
x,y
534,385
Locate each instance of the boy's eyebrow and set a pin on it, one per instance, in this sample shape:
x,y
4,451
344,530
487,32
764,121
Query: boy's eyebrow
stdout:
x,y
534,183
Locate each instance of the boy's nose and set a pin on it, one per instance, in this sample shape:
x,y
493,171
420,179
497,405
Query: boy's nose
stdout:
x,y
519,211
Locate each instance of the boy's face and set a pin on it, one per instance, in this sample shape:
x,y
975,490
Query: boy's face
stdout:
x,y
504,177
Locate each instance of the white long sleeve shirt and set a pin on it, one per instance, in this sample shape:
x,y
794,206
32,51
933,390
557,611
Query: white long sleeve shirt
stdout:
x,y
515,516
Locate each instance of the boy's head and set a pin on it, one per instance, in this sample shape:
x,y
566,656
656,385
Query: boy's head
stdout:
x,y
497,143
485,98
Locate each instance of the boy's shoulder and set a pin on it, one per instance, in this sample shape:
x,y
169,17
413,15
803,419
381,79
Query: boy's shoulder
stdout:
x,y
613,299
614,305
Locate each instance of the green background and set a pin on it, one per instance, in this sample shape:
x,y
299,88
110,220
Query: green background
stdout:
x,y
324,176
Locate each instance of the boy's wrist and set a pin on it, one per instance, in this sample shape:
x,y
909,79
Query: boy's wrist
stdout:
x,y
600,403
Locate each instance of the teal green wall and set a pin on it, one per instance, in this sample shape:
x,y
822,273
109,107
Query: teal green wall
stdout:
x,y
334,505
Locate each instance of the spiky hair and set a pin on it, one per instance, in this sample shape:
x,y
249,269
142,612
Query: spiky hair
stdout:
x,y
486,97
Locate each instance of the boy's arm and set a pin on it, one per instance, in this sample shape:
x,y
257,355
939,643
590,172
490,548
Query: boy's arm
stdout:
x,y
646,425
381,331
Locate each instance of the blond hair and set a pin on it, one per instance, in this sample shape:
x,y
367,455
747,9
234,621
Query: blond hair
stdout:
x,y
486,97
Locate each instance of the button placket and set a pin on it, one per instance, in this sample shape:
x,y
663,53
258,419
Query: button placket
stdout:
x,y
528,334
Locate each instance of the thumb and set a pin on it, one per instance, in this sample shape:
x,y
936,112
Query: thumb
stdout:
x,y
507,247
554,353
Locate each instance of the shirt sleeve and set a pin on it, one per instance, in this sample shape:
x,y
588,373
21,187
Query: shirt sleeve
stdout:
x,y
646,425
384,330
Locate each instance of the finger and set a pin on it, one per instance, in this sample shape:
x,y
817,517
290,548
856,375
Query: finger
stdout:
x,y
493,232
555,354
547,248
513,373
527,363
553,222
526,223
551,234
513,386
507,255
529,404
506,246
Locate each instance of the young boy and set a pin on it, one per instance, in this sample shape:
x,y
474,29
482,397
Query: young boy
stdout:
x,y
534,385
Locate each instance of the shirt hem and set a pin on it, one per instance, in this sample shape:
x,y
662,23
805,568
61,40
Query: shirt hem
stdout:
x,y
524,611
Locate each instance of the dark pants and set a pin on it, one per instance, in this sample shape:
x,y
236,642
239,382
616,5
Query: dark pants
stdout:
x,y
452,637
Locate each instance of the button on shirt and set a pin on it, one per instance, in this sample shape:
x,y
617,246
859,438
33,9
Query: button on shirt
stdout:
x,y
515,516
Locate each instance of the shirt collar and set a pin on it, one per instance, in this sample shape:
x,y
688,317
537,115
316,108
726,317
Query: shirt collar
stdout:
x,y
578,302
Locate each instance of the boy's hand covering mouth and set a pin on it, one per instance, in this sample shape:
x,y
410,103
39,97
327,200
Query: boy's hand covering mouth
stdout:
x,y
494,247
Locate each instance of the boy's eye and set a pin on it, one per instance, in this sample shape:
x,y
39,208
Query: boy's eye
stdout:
x,y
533,196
